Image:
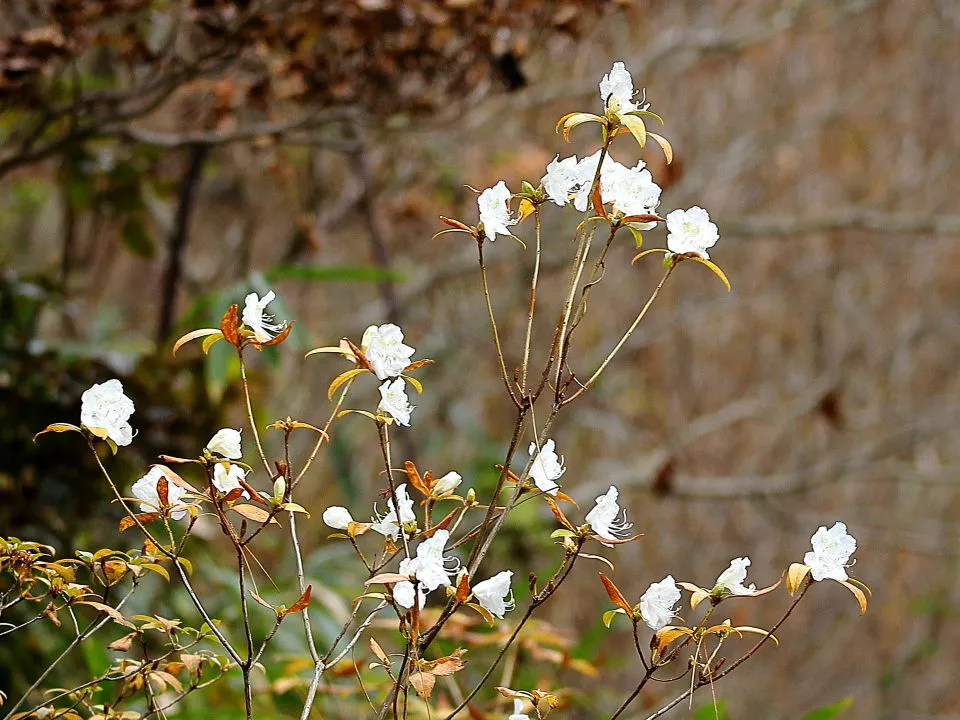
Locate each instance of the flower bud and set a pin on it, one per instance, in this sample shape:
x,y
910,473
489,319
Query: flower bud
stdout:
x,y
447,484
279,488
471,496
337,517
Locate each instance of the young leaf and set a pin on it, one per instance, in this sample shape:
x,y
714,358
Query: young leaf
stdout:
x,y
58,428
193,335
302,603
230,324
613,592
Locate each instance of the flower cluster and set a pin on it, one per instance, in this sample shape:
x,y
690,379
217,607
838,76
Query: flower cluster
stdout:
x,y
428,568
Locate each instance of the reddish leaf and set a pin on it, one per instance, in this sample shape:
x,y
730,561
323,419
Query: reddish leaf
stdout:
x,y
558,513
303,602
615,595
163,491
229,326
144,518
280,337
442,525
414,477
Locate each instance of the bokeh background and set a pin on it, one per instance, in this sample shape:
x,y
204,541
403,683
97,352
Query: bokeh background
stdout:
x,y
161,159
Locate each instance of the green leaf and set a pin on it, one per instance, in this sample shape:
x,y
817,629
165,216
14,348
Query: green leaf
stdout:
x,y
711,711
136,238
828,712
609,615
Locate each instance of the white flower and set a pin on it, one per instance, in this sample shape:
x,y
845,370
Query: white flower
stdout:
x,y
831,553
105,407
495,594
337,517
387,525
145,490
428,568
226,443
495,210
607,519
447,484
690,231
616,91
384,349
731,579
561,179
631,190
658,603
547,467
262,325
517,708
403,594
227,477
393,400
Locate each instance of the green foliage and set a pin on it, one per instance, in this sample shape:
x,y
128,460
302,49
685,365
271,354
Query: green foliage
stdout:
x,y
828,712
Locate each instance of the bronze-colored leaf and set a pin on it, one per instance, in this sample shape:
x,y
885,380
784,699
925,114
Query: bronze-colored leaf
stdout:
x,y
463,590
122,644
378,651
230,325
423,683
145,518
558,513
413,477
163,491
418,364
613,592
279,337
302,602
257,514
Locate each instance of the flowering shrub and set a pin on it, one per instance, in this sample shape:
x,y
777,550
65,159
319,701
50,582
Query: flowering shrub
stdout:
x,y
414,625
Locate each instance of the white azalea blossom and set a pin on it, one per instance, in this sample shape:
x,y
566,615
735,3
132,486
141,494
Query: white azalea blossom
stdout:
x,y
384,349
586,171
260,324
631,190
494,206
731,579
547,467
226,443
337,517
105,407
387,525
518,713
616,91
447,484
495,593
428,567
831,553
145,490
394,400
227,477
562,178
658,605
690,231
607,520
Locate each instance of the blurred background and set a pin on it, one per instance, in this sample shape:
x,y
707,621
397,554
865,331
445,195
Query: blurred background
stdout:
x,y
160,159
